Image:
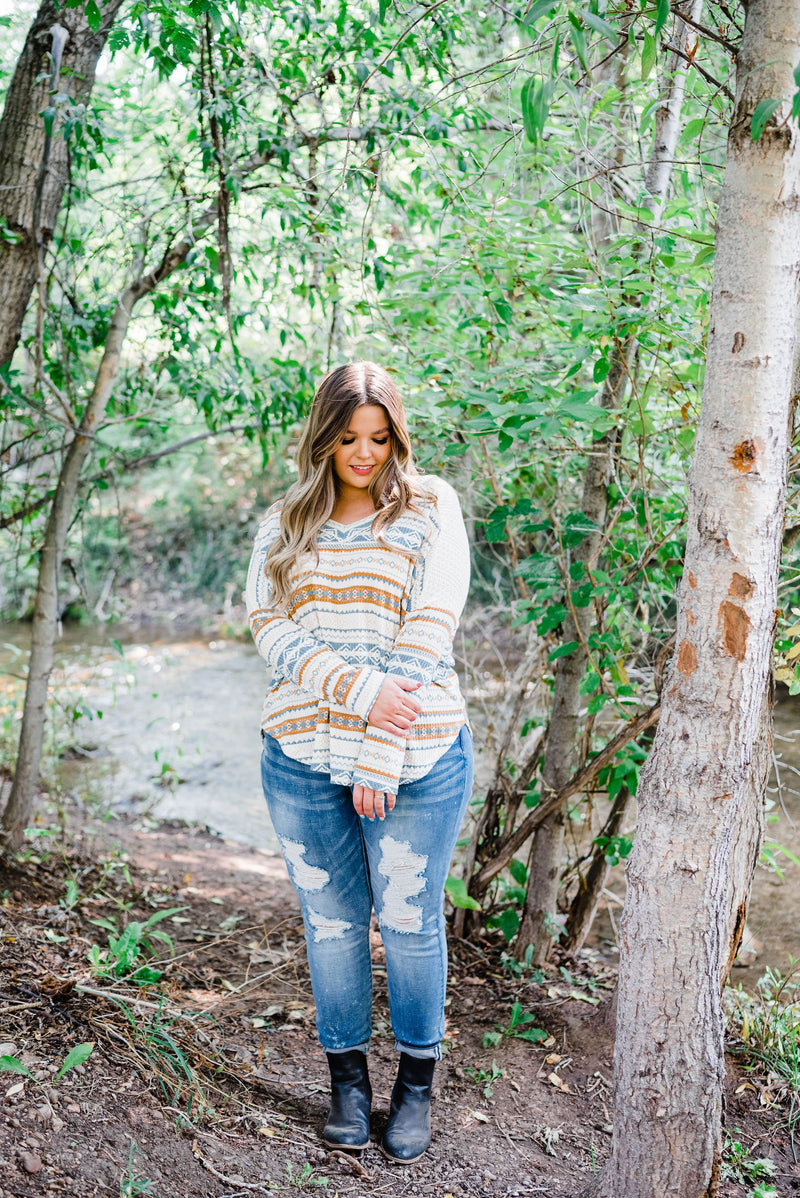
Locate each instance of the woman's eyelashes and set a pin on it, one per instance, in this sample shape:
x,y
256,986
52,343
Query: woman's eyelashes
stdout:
x,y
376,440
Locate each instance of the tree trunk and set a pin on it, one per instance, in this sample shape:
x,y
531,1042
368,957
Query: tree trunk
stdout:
x,y
587,900
539,924
60,54
538,927
702,788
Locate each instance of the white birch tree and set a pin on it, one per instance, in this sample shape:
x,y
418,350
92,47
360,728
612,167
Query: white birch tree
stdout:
x,y
701,792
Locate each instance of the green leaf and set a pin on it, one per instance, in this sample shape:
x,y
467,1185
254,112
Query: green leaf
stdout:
x,y
580,523
159,915
551,619
383,8
536,96
579,42
504,310
564,650
93,16
507,921
648,54
535,11
456,891
535,1034
694,128
76,1056
14,1065
540,569
528,110
48,115
662,14
518,870
598,23
763,111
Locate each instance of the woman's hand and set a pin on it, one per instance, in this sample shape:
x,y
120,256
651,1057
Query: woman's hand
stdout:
x,y
395,709
371,802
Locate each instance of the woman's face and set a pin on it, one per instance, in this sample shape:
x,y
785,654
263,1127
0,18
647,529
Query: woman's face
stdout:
x,y
364,448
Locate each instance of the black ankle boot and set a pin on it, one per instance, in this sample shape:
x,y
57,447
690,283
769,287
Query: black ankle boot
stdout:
x,y
408,1132
351,1096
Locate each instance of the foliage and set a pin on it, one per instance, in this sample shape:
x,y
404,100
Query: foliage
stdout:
x,y
76,1056
486,1078
128,945
768,1025
460,195
738,1165
517,1027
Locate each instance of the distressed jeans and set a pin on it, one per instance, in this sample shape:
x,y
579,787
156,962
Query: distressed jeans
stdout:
x,y
342,865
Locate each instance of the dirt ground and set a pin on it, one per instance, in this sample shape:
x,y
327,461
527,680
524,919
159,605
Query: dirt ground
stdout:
x,y
210,1082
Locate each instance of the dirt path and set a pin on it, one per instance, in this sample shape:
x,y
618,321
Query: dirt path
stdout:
x,y
210,1082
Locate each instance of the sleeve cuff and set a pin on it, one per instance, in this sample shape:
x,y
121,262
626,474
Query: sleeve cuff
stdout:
x,y
364,692
380,760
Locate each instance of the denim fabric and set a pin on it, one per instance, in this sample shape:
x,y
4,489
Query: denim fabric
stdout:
x,y
342,865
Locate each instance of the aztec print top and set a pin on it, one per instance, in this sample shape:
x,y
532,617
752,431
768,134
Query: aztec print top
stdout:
x,y
367,609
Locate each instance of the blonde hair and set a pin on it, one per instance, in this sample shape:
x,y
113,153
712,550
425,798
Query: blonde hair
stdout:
x,y
310,500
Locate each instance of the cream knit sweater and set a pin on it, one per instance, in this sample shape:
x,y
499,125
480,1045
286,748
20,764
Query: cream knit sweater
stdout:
x,y
366,610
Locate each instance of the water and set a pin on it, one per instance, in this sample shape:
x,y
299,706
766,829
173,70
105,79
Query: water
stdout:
x,y
179,733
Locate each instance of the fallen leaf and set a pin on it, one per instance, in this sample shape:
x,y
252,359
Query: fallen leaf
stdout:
x,y
559,1083
266,1131
579,997
744,1086
480,1116
553,1059
17,1089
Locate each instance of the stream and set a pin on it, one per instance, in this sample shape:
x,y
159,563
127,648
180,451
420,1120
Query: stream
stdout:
x,y
178,738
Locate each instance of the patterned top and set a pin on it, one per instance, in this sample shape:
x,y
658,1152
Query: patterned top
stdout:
x,y
366,610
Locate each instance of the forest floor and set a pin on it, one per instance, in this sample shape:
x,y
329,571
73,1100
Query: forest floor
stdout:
x,y
209,1082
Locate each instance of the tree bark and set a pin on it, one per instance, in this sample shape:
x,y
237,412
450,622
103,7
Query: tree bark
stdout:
x,y
587,900
60,54
701,790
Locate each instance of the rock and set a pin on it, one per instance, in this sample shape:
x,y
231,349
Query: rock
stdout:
x,y
44,1113
57,1123
31,1162
73,1108
8,1048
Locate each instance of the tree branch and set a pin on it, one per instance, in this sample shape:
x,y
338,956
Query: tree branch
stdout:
x,y
577,782
132,464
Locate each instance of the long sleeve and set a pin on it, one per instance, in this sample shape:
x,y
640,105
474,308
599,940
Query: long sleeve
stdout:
x,y
293,651
438,594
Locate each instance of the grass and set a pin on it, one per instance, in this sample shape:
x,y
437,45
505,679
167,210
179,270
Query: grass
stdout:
x,y
768,1025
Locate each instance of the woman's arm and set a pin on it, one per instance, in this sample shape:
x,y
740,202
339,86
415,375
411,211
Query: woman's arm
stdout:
x,y
292,650
438,594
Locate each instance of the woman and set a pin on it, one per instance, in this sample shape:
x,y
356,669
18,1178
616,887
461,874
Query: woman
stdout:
x,y
355,587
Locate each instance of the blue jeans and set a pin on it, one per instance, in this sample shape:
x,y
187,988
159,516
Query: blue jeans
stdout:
x,y
341,865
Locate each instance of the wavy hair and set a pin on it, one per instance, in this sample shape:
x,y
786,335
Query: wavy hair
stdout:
x,y
309,501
